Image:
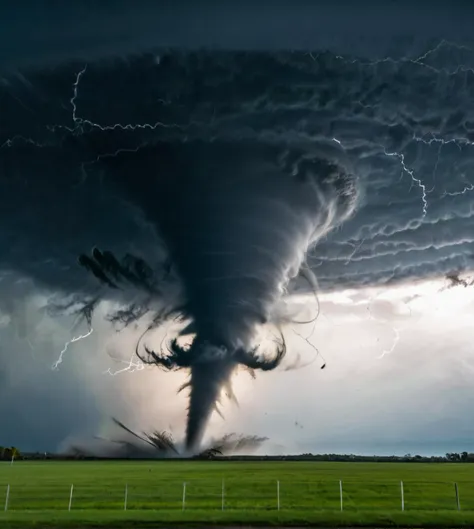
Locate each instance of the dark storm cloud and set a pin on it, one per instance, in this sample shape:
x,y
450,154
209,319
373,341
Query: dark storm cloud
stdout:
x,y
185,156
407,128
51,32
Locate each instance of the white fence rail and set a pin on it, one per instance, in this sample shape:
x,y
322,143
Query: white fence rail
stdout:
x,y
235,494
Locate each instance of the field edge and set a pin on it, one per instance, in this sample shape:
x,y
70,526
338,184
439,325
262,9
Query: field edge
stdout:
x,y
145,518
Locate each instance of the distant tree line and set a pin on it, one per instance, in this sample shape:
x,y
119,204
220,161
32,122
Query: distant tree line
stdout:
x,y
461,457
454,457
450,457
7,454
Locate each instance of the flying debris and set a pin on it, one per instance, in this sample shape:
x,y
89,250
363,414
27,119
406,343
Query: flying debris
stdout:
x,y
160,445
160,441
455,280
92,266
82,308
131,269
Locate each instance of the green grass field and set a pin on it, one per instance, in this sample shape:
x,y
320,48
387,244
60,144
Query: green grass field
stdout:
x,y
235,492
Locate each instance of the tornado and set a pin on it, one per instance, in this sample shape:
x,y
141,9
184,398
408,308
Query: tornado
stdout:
x,y
237,219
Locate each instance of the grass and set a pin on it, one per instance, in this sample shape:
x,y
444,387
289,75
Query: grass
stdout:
x,y
309,493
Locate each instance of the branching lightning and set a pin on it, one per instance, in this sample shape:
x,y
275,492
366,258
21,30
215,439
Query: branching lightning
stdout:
x,y
80,122
77,121
466,189
131,367
102,157
396,339
415,180
459,142
134,364
55,366
419,61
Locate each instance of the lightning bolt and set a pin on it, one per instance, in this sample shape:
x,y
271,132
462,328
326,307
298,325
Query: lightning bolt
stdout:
x,y
466,189
395,331
84,165
418,61
417,181
21,139
396,339
133,364
459,142
434,139
79,122
421,61
55,366
449,44
131,367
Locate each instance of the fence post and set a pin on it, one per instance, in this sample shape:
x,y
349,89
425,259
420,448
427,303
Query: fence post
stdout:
x,y
223,494
7,497
340,494
456,490
184,496
278,495
70,497
403,495
126,497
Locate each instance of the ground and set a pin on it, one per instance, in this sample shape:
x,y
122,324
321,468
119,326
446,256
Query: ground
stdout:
x,y
180,492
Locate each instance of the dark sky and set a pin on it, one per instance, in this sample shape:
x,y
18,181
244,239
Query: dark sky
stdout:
x,y
31,32
404,125
89,90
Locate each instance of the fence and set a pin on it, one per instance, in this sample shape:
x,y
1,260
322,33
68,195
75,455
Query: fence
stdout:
x,y
237,494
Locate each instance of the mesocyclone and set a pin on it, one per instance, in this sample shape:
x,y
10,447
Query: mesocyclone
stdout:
x,y
237,220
